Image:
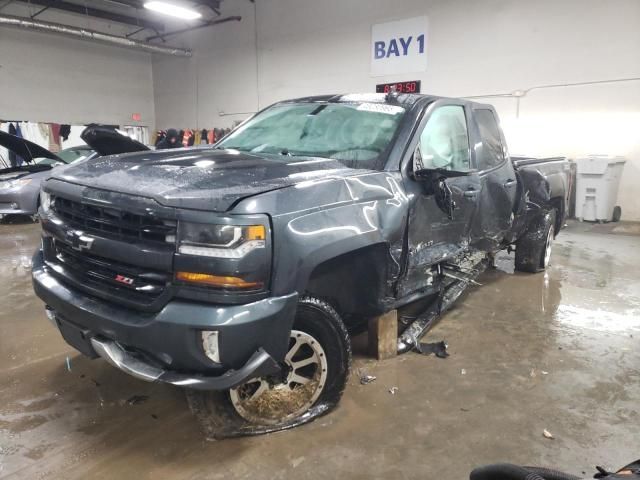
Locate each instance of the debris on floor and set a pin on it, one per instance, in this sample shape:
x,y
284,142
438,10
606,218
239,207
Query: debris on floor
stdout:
x,y
437,348
393,390
547,434
463,371
367,379
68,361
137,399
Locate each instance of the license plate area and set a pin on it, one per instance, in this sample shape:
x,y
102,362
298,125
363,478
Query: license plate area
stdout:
x,y
77,337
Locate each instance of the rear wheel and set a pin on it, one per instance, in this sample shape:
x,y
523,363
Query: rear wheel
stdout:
x,y
533,249
314,375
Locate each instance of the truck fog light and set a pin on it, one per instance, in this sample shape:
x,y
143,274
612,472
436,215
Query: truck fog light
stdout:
x,y
210,345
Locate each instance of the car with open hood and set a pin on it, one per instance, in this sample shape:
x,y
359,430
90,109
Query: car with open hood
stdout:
x,y
20,185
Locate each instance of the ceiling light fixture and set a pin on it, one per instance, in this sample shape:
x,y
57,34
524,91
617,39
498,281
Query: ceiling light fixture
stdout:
x,y
172,10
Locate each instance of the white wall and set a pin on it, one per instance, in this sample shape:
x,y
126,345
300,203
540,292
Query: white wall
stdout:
x,y
221,75
49,78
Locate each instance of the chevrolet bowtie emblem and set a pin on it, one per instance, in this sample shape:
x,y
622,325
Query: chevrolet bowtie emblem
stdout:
x,y
79,241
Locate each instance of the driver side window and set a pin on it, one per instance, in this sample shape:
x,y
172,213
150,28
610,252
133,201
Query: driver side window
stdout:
x,y
444,142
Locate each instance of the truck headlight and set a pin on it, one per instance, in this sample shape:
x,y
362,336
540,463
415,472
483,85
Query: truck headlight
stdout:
x,y
220,241
45,201
210,345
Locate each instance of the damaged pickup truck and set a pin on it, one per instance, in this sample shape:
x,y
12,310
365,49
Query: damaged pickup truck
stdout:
x,y
238,270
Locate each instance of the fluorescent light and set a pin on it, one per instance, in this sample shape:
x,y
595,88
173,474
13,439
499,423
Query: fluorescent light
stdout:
x,y
172,10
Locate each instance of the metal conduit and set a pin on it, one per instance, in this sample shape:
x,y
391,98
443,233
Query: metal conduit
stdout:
x,y
86,34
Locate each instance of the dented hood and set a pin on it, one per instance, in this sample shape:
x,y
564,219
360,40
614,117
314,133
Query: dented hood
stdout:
x,y
198,178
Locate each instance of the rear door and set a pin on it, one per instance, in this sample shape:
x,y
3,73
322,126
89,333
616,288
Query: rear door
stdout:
x,y
498,183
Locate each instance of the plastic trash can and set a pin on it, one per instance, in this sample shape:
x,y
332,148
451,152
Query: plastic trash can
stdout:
x,y
597,181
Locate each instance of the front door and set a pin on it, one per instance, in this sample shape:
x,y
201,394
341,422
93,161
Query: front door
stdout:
x,y
436,231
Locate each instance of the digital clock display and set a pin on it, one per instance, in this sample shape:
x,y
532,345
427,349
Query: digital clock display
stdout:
x,y
412,86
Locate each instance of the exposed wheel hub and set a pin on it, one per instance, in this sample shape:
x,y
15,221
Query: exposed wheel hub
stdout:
x,y
263,402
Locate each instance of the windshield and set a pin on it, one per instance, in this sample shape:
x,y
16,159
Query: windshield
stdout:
x,y
356,134
68,155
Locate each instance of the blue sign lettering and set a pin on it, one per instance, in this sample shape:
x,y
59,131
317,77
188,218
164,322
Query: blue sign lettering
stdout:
x,y
382,49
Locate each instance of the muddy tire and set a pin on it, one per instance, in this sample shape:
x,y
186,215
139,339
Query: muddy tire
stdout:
x,y
318,333
534,247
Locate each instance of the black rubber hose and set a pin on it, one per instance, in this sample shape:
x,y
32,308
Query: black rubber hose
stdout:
x,y
549,474
503,471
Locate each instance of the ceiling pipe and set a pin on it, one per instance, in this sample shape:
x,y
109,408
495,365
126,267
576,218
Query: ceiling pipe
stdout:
x,y
66,6
86,34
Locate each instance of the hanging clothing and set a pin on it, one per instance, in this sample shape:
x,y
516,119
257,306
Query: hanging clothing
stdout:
x,y
160,136
203,137
15,160
65,131
211,137
45,133
54,139
187,138
4,153
171,140
197,137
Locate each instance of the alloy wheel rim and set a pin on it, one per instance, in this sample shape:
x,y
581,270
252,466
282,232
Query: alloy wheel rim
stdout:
x,y
261,401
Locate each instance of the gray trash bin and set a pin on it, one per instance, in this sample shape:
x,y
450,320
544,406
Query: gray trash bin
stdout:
x,y
597,181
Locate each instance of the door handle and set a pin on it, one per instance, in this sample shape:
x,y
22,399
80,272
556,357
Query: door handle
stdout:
x,y
510,183
470,193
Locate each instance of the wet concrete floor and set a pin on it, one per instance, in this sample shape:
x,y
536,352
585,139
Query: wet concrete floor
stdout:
x,y
556,351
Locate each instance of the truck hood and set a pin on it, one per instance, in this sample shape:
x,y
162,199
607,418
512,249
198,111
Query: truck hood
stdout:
x,y
198,178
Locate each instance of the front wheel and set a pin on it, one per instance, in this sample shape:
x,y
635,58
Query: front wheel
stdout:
x,y
533,249
314,375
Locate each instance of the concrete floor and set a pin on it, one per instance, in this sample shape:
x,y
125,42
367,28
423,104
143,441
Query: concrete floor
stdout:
x,y
556,351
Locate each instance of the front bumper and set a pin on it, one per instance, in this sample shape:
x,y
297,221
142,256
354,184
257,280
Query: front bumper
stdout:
x,y
165,346
259,365
18,201
11,206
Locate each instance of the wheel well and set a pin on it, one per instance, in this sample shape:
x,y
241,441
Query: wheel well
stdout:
x,y
354,283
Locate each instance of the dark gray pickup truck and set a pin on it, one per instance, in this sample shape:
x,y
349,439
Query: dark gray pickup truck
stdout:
x,y
238,270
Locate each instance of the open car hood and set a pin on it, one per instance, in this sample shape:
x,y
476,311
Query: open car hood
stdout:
x,y
26,149
108,141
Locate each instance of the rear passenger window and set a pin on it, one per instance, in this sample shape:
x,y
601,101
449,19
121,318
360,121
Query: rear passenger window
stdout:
x,y
492,148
